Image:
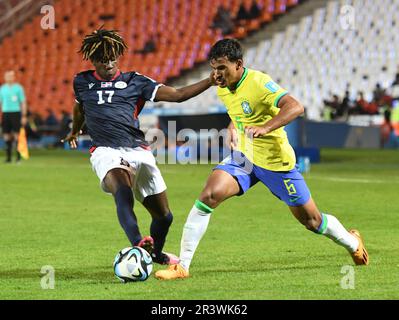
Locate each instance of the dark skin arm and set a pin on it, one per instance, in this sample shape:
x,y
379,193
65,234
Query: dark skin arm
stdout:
x,y
164,93
290,109
78,121
171,94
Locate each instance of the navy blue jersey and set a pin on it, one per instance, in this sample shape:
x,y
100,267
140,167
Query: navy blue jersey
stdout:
x,y
111,108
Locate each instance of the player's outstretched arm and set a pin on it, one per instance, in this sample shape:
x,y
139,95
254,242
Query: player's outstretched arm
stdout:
x,y
77,124
290,109
170,94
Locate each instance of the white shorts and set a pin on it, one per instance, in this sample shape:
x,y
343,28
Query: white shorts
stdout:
x,y
140,163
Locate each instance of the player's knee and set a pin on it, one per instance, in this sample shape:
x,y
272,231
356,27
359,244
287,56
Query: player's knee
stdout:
x,y
161,213
212,197
117,179
164,210
167,218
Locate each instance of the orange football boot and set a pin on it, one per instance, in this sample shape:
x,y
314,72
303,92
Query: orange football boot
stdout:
x,y
173,272
360,256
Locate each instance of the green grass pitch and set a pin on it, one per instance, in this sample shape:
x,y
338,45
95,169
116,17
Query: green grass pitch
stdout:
x,y
54,213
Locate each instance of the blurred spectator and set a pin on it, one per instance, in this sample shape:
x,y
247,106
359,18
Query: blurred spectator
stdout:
x,y
386,128
381,101
38,119
149,46
65,128
332,106
242,14
51,120
396,81
360,106
385,101
248,11
223,21
255,10
372,107
338,108
66,120
32,126
344,106
378,92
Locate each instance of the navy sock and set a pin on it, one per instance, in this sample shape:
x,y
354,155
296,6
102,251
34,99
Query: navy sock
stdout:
x,y
8,150
127,218
159,230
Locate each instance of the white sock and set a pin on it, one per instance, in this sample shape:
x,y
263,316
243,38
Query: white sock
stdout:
x,y
333,229
195,227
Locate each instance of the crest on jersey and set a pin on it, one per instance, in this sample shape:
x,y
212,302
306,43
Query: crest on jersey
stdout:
x,y
121,85
246,107
106,84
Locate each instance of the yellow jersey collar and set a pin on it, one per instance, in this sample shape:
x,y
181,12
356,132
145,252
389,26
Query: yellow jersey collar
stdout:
x,y
244,75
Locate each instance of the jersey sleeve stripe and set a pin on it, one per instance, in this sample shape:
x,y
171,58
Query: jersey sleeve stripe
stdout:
x,y
139,106
279,97
154,93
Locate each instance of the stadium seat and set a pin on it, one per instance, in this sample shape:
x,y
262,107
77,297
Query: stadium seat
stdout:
x,y
184,41
320,56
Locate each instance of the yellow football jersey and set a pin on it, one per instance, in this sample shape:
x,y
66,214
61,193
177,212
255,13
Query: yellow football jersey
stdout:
x,y
253,103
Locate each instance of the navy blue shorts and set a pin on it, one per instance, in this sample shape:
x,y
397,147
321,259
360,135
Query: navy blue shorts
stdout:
x,y
288,186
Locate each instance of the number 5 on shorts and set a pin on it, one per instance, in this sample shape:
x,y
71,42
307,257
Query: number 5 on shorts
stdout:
x,y
290,187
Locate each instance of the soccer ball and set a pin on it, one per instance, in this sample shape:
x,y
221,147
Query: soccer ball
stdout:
x,y
132,264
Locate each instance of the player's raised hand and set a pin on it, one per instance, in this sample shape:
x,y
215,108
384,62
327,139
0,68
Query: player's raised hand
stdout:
x,y
255,132
72,139
24,121
213,79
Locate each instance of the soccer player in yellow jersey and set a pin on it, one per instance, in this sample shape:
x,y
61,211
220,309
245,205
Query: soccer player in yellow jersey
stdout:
x,y
259,109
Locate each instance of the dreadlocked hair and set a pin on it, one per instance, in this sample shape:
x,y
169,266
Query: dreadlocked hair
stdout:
x,y
103,45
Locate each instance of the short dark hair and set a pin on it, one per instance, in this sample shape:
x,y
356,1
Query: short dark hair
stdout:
x,y
229,48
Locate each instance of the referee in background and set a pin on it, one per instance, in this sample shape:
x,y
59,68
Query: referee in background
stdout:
x,y
14,108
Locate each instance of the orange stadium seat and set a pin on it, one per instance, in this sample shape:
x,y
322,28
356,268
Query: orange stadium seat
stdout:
x,y
280,6
48,59
291,3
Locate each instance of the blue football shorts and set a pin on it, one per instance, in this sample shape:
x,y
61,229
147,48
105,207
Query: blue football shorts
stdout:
x,y
288,186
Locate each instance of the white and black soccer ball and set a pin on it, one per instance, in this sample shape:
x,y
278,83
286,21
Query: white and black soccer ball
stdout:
x,y
132,264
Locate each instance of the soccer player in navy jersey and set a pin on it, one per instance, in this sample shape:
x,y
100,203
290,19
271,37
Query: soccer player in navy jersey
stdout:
x,y
109,102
